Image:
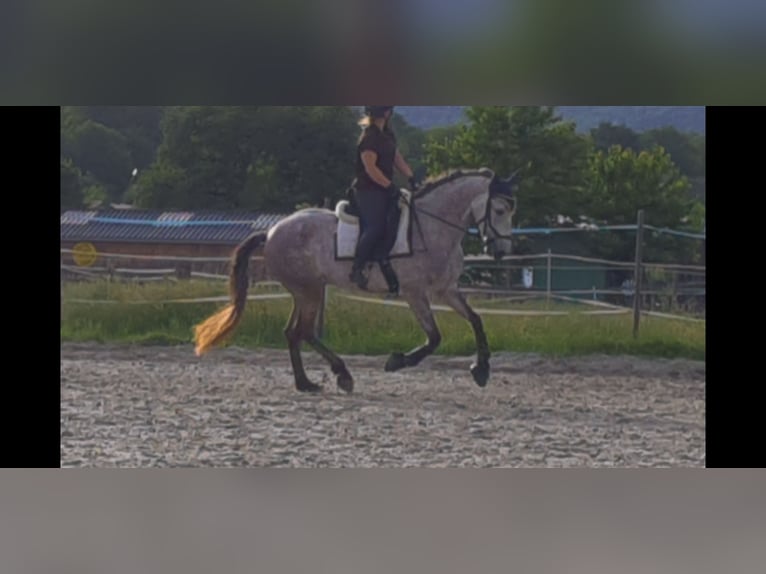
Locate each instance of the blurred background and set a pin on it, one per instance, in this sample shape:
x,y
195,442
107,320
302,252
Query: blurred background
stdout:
x,y
577,521
416,52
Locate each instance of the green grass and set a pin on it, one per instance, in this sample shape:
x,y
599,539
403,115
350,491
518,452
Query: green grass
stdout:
x,y
353,327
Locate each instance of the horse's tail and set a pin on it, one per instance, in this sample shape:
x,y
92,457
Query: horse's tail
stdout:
x,y
216,328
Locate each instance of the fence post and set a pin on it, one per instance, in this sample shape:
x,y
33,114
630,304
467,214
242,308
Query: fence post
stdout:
x,y
637,273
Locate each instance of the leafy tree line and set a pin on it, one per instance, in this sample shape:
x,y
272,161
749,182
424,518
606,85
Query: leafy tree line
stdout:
x,y
279,158
603,177
100,148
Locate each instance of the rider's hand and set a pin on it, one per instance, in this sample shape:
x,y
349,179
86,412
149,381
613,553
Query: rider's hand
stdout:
x,y
393,190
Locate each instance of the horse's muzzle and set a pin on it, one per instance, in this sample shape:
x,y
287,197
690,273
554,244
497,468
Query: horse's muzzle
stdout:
x,y
490,248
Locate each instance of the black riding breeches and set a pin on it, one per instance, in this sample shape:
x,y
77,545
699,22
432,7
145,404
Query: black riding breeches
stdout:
x,y
376,210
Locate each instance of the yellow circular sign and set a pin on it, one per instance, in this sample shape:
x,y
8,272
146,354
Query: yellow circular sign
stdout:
x,y
84,254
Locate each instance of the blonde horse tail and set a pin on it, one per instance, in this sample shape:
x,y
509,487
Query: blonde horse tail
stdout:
x,y
218,327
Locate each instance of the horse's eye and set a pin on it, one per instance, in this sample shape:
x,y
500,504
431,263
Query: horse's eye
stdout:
x,y
499,211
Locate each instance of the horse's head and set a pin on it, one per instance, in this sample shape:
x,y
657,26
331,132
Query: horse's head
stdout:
x,y
493,214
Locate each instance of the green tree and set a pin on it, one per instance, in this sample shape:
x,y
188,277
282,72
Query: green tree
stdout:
x,y
621,182
140,125
257,157
162,186
101,153
608,134
72,196
411,142
696,218
551,155
315,158
687,151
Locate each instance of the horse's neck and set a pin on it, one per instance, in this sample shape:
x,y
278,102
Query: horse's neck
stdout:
x,y
452,201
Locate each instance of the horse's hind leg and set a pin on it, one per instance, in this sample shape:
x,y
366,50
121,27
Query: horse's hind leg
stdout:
x,y
305,327
294,336
421,307
480,369
345,381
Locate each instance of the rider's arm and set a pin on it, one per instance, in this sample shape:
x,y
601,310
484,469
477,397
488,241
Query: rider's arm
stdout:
x,y
403,166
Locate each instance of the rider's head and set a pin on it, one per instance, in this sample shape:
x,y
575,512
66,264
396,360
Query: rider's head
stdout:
x,y
375,113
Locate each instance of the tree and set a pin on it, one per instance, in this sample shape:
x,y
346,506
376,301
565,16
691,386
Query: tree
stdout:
x,y
140,125
72,196
162,186
411,142
608,134
621,182
551,155
100,153
315,158
256,157
687,151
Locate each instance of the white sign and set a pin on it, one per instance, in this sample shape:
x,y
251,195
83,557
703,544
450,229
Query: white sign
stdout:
x,y
528,277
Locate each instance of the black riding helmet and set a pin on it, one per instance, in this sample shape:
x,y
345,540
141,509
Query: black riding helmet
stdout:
x,y
377,111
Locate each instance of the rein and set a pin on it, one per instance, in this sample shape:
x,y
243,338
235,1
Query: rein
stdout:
x,y
416,210
487,217
444,221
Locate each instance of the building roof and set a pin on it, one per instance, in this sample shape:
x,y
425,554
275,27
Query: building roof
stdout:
x,y
158,226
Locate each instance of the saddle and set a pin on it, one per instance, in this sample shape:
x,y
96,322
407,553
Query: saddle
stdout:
x,y
351,208
347,233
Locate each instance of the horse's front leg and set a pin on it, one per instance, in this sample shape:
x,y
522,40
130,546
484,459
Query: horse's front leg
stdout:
x,y
421,307
480,369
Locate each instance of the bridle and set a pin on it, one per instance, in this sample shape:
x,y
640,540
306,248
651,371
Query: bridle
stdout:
x,y
496,191
510,200
487,219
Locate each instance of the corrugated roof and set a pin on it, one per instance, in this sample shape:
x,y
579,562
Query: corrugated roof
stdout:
x,y
134,225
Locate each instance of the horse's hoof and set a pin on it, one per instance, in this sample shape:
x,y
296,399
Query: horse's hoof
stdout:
x,y
346,383
395,362
480,372
308,387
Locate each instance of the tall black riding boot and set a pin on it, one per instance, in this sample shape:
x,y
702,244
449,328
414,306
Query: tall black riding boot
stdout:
x,y
390,276
357,275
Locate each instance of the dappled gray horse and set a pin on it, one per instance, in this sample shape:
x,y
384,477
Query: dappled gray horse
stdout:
x,y
301,253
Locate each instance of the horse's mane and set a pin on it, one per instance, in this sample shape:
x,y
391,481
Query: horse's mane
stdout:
x,y
450,175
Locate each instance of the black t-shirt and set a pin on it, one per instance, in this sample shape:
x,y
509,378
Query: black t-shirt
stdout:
x,y
382,143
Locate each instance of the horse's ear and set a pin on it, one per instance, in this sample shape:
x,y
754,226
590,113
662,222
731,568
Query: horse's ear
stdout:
x,y
512,176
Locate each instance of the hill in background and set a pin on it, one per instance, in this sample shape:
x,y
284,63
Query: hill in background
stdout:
x,y
638,118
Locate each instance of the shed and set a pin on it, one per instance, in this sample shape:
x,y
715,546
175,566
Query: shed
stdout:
x,y
136,240
575,278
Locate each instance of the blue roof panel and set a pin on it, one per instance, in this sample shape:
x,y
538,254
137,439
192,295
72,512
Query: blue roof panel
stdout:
x,y
158,226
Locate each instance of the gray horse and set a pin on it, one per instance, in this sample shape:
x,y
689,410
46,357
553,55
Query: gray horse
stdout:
x,y
300,252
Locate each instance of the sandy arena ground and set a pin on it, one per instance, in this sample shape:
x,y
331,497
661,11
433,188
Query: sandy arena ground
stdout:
x,y
125,406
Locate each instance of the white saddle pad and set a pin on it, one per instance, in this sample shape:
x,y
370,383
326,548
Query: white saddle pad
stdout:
x,y
347,233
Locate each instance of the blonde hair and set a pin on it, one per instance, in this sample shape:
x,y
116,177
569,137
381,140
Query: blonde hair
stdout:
x,y
366,121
